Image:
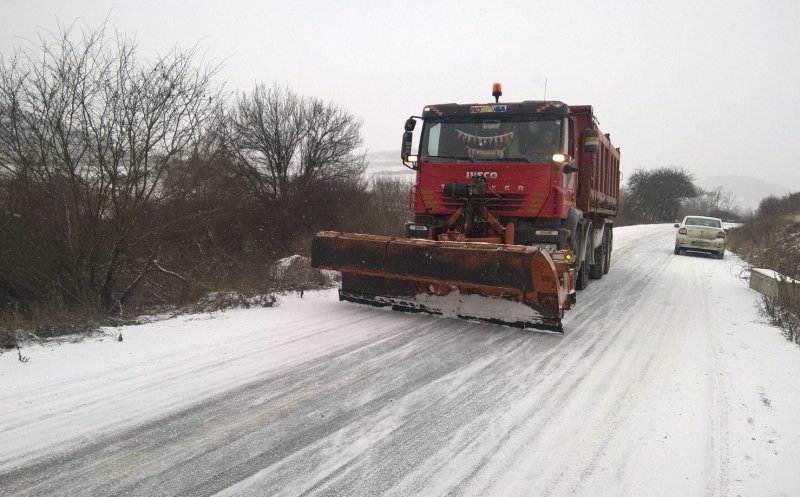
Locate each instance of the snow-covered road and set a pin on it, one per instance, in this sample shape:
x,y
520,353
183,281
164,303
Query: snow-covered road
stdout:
x,y
667,383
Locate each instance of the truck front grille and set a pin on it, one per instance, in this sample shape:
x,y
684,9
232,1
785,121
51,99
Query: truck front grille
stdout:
x,y
500,204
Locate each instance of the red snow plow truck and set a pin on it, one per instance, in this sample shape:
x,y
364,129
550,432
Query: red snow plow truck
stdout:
x,y
513,209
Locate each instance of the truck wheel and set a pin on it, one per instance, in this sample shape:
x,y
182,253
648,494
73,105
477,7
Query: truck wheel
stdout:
x,y
597,270
607,241
582,278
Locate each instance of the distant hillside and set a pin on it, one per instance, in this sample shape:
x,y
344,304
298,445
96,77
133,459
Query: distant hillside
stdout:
x,y
386,163
748,191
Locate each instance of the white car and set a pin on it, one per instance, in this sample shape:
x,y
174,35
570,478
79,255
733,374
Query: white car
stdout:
x,y
700,234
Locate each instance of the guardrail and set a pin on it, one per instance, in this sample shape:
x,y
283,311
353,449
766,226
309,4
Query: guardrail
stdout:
x,y
771,283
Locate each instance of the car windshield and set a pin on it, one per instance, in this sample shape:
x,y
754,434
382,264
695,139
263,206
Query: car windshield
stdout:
x,y
521,139
701,221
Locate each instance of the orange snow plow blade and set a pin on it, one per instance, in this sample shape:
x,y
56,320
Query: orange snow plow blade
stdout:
x,y
513,285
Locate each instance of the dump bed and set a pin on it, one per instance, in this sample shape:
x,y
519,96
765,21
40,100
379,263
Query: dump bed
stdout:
x,y
599,177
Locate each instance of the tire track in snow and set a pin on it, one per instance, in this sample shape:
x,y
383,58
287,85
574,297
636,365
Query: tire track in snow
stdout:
x,y
450,413
405,404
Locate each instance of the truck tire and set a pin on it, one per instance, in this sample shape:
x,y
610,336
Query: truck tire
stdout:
x,y
602,256
582,278
597,270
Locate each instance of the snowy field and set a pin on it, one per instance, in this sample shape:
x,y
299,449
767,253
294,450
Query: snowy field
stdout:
x,y
666,383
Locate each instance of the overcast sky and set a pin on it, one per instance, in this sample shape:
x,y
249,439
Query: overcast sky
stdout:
x,y
712,86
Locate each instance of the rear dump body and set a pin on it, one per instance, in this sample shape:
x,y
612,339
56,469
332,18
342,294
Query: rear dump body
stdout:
x,y
505,197
599,180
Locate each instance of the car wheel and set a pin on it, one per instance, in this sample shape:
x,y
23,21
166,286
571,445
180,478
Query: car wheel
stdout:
x,y
721,255
677,251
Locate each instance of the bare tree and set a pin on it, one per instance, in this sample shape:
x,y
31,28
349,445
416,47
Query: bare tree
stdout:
x,y
298,154
330,148
88,134
286,142
656,195
268,128
717,203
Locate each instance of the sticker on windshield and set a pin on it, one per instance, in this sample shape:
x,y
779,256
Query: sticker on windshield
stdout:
x,y
477,109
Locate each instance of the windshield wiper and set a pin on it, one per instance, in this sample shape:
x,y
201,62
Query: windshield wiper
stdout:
x,y
454,157
504,159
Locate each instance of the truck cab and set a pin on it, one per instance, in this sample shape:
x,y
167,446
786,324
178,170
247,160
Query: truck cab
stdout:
x,y
523,153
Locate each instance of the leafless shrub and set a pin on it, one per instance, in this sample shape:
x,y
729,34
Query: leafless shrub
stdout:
x,y
783,310
770,238
20,357
88,132
296,154
715,203
296,274
130,185
389,199
220,301
43,322
652,196
8,339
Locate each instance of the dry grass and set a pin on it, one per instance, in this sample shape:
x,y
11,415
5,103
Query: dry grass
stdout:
x,y
783,310
293,274
41,324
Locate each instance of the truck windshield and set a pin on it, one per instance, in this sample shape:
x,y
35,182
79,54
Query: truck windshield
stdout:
x,y
472,139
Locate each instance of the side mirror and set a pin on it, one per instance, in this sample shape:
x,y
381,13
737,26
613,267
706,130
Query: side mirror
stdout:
x,y
676,225
405,148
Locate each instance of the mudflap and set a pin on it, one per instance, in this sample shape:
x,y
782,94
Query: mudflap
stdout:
x,y
512,285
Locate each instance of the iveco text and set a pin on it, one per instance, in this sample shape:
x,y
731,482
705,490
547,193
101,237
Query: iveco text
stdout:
x,y
482,174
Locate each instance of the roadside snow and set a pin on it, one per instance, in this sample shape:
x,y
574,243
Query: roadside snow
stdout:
x,y
667,382
68,393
